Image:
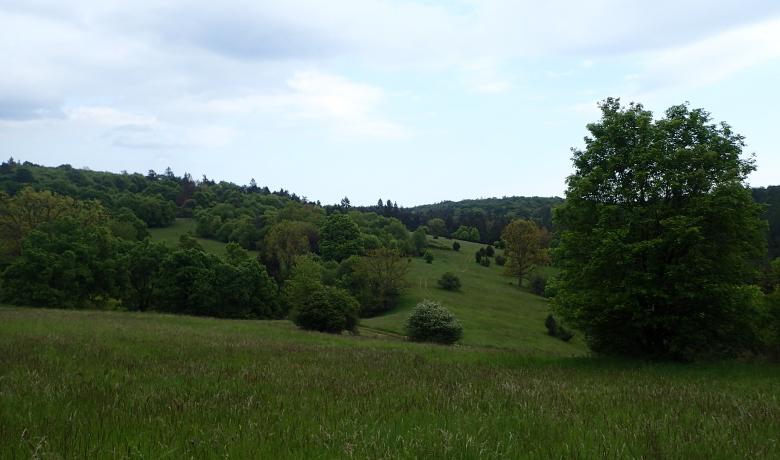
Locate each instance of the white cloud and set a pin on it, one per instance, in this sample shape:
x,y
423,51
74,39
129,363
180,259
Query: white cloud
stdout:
x,y
345,107
109,116
483,75
713,59
211,136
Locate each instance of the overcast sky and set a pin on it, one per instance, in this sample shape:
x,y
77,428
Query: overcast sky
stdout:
x,y
415,101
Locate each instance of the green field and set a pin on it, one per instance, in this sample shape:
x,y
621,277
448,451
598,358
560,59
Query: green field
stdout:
x,y
493,310
87,384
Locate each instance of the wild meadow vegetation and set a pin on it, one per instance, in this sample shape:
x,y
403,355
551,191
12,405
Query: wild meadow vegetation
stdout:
x,y
134,385
637,318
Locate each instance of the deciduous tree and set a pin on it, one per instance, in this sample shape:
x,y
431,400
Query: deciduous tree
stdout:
x,y
659,235
523,248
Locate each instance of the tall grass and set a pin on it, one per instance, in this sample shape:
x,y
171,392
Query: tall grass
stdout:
x,y
122,385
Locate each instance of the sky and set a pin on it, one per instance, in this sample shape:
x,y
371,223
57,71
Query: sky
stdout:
x,y
413,101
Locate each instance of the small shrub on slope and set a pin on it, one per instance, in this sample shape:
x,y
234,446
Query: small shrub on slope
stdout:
x,y
430,322
449,281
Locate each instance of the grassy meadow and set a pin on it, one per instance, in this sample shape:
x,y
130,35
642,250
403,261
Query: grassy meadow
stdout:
x,y
76,384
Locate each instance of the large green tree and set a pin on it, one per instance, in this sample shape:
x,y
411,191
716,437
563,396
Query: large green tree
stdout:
x,y
659,236
340,238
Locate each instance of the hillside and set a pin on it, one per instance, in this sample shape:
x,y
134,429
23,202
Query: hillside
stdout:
x,y
493,311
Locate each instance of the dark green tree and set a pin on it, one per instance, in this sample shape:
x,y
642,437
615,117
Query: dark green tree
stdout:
x,y
449,281
143,263
659,237
339,238
64,264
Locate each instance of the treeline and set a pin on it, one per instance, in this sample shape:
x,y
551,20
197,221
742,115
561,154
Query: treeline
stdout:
x,y
74,250
480,220
770,198
155,198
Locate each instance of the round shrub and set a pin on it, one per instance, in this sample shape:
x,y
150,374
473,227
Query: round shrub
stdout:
x,y
430,322
485,262
455,246
449,281
428,256
500,260
489,251
327,309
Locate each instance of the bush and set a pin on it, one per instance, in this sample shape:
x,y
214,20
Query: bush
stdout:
x,y
538,283
455,246
500,260
430,322
485,262
428,256
327,309
489,251
565,334
551,325
478,256
449,281
555,330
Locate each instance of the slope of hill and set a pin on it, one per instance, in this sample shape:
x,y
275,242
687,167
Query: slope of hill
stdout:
x,y
493,310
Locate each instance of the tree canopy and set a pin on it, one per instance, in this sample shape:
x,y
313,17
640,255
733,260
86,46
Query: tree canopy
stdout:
x,y
659,237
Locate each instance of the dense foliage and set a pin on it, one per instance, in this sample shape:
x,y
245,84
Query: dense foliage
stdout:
x,y
473,220
659,237
770,196
327,309
79,238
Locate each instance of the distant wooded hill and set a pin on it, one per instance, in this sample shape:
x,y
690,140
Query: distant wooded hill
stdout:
x,y
488,215
157,198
